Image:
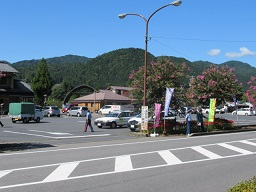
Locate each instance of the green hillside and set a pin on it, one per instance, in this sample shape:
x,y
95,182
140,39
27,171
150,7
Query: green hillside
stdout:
x,y
113,68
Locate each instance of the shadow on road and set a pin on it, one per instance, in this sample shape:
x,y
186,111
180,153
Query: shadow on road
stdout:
x,y
22,146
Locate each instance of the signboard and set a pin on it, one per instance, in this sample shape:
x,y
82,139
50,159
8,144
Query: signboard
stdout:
x,y
144,118
212,110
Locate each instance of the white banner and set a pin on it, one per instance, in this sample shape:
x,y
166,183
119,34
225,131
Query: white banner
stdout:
x,y
168,98
144,118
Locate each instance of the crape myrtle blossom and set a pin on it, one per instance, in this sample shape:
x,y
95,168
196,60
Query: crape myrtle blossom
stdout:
x,y
215,82
251,93
160,74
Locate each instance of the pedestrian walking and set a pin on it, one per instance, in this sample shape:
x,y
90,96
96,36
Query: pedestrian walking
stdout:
x,y
200,119
188,122
88,121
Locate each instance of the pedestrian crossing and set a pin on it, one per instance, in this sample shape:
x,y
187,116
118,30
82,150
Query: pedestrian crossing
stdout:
x,y
129,162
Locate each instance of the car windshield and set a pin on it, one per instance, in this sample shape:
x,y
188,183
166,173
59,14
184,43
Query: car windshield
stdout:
x,y
112,115
139,115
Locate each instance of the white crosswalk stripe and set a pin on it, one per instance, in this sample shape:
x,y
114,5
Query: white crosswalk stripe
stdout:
x,y
169,157
62,172
124,163
206,152
3,173
239,150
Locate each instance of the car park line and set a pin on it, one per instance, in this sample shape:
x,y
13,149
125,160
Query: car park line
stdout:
x,y
67,137
52,133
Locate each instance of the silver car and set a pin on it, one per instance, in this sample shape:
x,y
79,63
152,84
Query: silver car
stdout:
x,y
77,111
50,111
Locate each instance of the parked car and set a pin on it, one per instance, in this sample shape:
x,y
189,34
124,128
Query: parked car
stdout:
x,y
243,111
218,109
77,111
114,119
65,109
134,124
50,111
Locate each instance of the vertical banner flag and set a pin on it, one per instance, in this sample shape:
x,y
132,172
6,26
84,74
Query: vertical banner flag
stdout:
x,y
144,118
157,113
234,99
168,98
212,110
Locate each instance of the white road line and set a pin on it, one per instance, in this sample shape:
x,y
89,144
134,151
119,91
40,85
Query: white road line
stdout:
x,y
123,163
61,173
3,173
206,152
108,173
248,142
52,133
131,143
169,158
68,137
235,148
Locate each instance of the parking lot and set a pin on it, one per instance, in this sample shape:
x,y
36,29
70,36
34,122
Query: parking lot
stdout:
x,y
70,130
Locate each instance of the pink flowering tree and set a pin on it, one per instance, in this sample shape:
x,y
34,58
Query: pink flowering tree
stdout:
x,y
160,74
251,92
215,82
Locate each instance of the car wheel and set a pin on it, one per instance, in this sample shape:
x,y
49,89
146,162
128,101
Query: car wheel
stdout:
x,y
38,119
78,115
100,113
58,115
113,125
68,114
246,114
13,120
49,115
25,120
234,113
99,126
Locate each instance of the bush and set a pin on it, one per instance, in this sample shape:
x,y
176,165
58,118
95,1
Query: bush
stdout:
x,y
174,127
219,124
245,186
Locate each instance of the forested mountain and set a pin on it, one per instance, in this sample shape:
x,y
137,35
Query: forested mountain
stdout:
x,y
113,68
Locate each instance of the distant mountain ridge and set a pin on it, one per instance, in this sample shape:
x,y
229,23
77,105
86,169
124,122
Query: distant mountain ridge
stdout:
x,y
113,68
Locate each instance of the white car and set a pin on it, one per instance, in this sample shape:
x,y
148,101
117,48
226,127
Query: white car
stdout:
x,y
112,120
243,111
217,110
134,123
77,111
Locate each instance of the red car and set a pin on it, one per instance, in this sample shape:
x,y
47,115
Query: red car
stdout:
x,y
65,109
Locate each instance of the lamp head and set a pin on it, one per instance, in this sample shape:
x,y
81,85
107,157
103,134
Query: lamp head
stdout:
x,y
176,3
121,16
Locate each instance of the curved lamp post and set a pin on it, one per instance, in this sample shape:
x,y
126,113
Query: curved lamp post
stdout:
x,y
123,15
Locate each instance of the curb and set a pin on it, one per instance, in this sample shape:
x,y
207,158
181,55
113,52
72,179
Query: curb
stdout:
x,y
242,128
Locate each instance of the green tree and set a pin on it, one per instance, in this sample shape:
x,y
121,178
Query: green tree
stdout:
x,y
41,83
251,92
215,82
160,74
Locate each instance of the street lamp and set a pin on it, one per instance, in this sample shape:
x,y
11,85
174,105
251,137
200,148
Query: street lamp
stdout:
x,y
123,15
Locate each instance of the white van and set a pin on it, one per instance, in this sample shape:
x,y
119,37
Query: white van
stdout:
x,y
106,109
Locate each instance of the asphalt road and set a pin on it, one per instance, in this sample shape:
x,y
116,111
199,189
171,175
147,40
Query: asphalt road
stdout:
x,y
55,131
206,163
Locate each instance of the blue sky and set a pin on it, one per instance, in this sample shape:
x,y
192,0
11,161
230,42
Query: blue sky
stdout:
x,y
215,31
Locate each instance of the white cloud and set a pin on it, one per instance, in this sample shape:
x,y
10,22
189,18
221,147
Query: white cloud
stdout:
x,y
243,52
214,52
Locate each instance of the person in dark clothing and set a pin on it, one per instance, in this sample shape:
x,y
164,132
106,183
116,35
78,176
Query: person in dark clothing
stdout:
x,y
88,121
200,119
